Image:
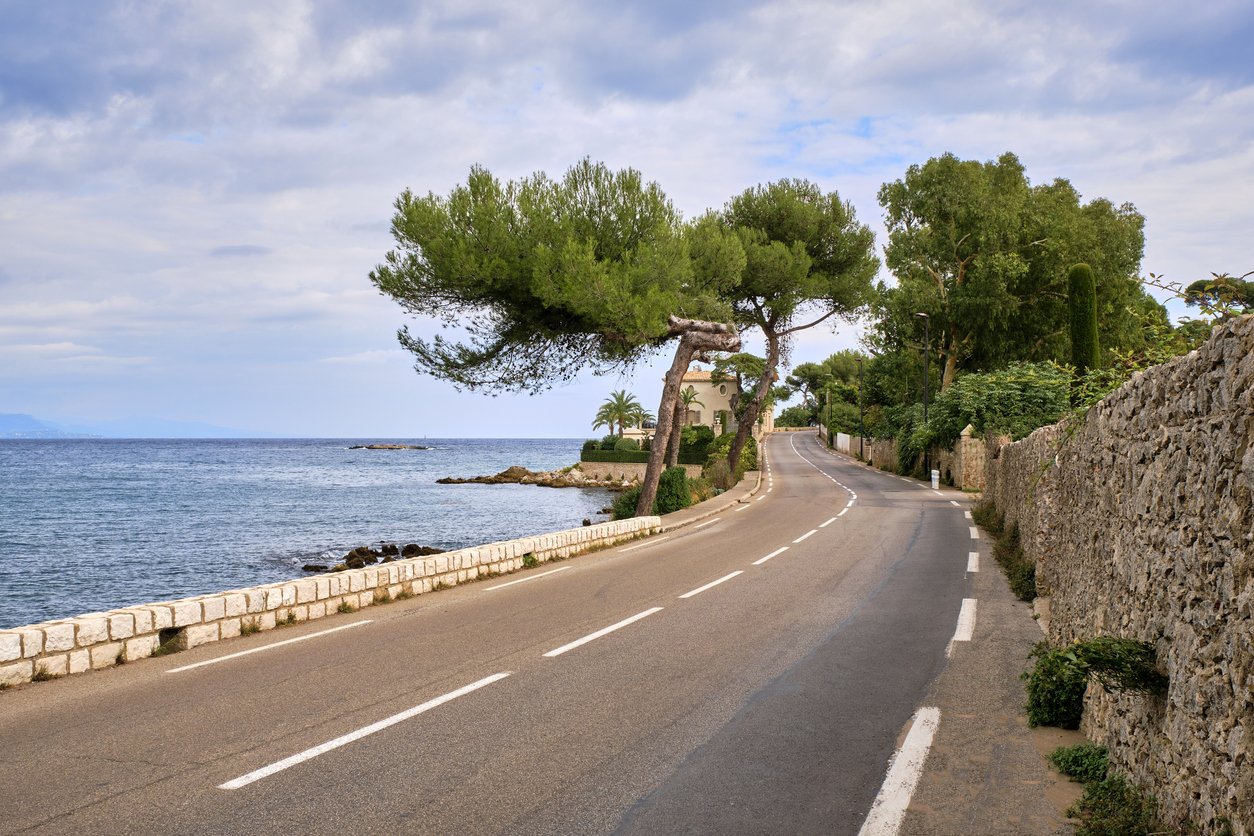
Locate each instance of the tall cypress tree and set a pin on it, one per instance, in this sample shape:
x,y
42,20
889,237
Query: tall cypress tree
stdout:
x,y
1082,304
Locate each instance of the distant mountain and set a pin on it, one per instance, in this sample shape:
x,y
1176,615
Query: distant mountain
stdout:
x,y
18,425
15,425
144,427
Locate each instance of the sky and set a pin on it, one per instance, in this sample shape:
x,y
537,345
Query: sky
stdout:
x,y
193,194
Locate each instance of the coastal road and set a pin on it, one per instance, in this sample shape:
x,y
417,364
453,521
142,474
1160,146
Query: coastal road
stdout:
x,y
752,673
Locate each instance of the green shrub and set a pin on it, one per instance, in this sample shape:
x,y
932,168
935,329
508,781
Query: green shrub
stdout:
x,y
624,444
591,444
1055,687
719,474
984,514
1056,684
721,446
694,443
1020,570
624,506
1083,763
672,491
700,489
1113,807
608,442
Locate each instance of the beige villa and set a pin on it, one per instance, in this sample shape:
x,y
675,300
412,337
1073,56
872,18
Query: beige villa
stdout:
x,y
712,406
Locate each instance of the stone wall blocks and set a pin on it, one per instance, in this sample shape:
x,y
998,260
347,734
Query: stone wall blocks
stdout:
x,y
356,581
10,646
121,625
140,647
58,665
89,631
197,634
185,612
162,617
15,673
229,628
80,661
213,608
236,604
58,636
32,641
306,591
106,655
289,594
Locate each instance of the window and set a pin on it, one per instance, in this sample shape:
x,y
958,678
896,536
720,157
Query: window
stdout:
x,y
722,389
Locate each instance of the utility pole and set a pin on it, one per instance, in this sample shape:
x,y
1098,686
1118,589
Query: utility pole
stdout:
x,y
927,361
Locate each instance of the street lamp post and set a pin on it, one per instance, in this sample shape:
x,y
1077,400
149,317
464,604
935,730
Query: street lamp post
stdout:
x,y
861,429
927,355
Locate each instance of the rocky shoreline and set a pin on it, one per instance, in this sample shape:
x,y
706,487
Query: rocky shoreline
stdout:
x,y
364,555
567,477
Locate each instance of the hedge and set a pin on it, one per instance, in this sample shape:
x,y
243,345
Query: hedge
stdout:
x,y
637,456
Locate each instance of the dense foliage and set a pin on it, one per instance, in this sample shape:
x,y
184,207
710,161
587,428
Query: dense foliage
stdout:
x,y
985,254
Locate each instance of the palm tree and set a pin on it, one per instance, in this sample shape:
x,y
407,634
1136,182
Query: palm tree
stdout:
x,y
617,412
687,397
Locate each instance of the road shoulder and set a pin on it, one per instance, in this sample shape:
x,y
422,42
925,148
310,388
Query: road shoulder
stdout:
x,y
987,773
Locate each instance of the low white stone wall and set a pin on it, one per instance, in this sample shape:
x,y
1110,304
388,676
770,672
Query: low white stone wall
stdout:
x,y
101,640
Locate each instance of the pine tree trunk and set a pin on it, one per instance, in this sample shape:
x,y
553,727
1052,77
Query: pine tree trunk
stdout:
x,y
754,408
672,449
694,336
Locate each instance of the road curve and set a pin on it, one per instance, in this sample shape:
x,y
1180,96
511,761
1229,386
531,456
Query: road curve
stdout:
x,y
749,674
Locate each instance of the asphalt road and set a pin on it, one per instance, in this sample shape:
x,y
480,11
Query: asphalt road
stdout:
x,y
764,666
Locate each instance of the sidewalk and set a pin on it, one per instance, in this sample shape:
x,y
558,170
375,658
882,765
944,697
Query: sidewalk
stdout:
x,y
987,772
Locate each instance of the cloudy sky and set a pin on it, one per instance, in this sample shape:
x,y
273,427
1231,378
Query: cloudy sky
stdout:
x,y
192,193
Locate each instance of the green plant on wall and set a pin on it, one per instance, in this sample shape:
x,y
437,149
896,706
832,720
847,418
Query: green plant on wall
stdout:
x,y
1057,681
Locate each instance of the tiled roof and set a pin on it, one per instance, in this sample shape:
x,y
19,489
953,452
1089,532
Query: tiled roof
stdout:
x,y
697,375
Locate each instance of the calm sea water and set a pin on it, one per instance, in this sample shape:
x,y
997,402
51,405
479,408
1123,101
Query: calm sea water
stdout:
x,y
89,525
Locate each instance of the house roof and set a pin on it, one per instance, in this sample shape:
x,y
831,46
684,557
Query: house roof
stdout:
x,y
699,374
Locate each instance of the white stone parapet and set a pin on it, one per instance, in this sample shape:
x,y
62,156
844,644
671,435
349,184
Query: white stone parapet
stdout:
x,y
100,640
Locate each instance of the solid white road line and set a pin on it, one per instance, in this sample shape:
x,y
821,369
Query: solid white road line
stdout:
x,y
842,513
807,534
760,498
966,625
904,769
279,766
829,522
741,508
975,533
542,574
641,546
268,647
973,561
707,522
604,631
762,560
712,584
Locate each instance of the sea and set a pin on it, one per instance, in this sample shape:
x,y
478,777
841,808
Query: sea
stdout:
x,y
89,525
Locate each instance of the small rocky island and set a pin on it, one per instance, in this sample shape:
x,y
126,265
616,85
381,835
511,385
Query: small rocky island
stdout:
x,y
567,477
388,447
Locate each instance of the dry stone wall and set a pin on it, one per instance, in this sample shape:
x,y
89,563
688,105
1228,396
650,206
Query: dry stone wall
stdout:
x,y
1141,526
101,640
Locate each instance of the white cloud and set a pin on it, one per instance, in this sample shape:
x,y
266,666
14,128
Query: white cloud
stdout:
x,y
211,188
